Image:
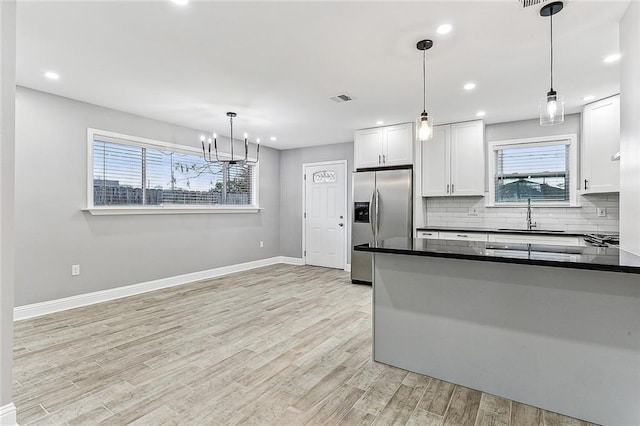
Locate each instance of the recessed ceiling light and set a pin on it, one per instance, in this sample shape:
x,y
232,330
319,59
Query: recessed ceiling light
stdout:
x,y
272,138
480,114
611,58
469,86
588,98
444,29
52,75
180,2
379,122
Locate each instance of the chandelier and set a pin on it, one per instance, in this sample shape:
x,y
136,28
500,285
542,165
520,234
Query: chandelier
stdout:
x,y
206,153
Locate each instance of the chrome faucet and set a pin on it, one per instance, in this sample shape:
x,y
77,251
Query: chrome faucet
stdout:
x,y
530,224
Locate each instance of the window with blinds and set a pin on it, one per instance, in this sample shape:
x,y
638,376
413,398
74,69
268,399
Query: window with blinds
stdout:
x,y
540,172
134,174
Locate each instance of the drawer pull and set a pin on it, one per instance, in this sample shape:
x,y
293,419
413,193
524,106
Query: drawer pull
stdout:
x,y
463,235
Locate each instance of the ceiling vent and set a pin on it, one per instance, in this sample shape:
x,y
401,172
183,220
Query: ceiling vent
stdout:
x,y
341,98
528,3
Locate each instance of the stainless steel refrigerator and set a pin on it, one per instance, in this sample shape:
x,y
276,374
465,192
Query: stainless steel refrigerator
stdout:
x,y
382,208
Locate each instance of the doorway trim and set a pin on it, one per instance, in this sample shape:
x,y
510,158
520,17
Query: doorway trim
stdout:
x,y
343,163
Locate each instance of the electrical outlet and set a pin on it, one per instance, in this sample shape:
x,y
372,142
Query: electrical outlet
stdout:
x,y
601,212
473,211
75,270
261,244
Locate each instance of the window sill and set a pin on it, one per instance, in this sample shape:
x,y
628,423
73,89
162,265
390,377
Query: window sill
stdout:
x,y
117,211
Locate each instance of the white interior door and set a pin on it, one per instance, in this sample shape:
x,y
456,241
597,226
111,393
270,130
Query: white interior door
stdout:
x,y
325,219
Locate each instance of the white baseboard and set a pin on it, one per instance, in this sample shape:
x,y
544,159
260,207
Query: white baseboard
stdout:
x,y
290,260
51,306
8,415
347,267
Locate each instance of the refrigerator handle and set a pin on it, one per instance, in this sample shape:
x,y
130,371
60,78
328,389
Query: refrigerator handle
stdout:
x,y
377,212
371,216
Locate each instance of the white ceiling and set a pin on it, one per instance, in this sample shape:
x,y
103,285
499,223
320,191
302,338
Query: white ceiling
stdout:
x,y
277,63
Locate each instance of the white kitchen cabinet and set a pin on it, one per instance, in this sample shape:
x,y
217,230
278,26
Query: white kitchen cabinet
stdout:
x,y
453,161
429,235
436,163
384,146
464,236
550,240
505,237
600,143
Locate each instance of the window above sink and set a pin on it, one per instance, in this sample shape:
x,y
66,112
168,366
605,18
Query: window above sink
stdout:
x,y
542,169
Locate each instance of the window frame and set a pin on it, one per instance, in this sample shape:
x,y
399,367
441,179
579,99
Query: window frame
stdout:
x,y
568,139
141,142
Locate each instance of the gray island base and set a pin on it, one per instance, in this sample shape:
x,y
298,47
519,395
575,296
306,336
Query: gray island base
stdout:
x,y
566,340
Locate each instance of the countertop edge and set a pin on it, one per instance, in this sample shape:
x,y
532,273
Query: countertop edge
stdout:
x,y
534,262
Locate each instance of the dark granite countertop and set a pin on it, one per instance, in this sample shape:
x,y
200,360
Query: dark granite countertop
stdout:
x,y
510,231
595,258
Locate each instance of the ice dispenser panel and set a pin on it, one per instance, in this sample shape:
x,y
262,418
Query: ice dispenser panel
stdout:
x,y
361,212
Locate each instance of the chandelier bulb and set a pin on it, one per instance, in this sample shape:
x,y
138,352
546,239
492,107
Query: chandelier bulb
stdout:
x,y
202,138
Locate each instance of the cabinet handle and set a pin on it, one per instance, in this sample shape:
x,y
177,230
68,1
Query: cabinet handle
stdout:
x,y
447,188
586,184
463,235
379,159
452,188
384,158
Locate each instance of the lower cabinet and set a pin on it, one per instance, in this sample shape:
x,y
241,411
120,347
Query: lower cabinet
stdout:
x,y
464,236
429,235
550,240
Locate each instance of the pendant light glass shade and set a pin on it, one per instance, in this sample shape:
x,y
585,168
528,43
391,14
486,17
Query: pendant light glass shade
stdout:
x,y
551,109
425,127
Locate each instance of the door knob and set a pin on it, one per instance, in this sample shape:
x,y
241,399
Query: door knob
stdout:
x,y
341,224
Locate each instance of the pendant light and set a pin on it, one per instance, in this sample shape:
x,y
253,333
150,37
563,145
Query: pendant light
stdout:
x,y
552,105
425,123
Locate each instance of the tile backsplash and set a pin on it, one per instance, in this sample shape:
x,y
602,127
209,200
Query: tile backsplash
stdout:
x,y
459,212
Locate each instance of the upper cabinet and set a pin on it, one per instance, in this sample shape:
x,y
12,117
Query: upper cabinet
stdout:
x,y
453,161
384,146
600,146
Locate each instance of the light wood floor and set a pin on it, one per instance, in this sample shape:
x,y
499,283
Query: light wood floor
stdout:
x,y
281,345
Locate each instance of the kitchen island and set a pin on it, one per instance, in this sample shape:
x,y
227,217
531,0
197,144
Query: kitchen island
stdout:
x,y
552,326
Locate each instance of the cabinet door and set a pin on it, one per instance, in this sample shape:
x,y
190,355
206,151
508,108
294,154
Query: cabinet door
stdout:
x,y
435,163
463,236
600,141
467,158
367,146
397,145
428,235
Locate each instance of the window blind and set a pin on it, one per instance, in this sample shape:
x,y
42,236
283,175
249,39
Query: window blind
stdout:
x,y
536,172
134,175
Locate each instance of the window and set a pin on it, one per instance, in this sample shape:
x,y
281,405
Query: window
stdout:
x,y
540,169
129,172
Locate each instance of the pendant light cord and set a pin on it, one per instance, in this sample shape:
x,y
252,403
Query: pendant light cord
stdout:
x,y
551,23
424,80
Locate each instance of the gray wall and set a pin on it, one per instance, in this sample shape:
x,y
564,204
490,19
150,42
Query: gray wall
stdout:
x,y
531,129
291,191
52,232
630,129
7,186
